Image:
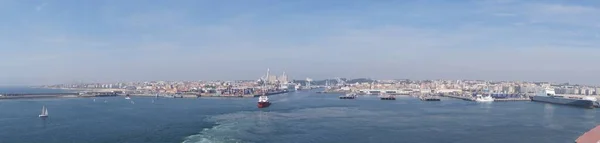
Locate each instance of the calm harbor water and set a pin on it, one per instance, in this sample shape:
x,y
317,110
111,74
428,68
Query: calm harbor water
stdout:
x,y
298,117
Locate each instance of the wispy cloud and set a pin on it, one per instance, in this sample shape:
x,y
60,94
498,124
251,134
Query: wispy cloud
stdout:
x,y
563,9
504,14
40,7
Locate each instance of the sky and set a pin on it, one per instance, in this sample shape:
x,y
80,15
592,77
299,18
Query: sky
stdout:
x,y
66,41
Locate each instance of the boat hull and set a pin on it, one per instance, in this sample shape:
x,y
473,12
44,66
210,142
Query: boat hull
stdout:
x,y
347,97
388,98
565,101
263,104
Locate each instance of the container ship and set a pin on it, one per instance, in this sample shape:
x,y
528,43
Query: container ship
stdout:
x,y
549,96
263,101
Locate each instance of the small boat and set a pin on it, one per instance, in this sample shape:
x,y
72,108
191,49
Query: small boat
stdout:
x,y
348,96
44,112
479,98
127,97
263,101
387,97
430,98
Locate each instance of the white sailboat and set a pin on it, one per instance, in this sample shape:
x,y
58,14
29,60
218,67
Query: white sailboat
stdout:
x,y
44,112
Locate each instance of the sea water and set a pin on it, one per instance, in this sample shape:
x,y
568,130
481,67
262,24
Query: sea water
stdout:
x,y
296,117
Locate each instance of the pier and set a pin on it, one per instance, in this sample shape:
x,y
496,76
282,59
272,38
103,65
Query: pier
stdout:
x,y
30,94
467,98
250,95
459,97
55,95
272,93
512,99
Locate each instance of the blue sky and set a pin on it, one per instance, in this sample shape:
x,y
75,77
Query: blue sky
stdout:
x,y
63,41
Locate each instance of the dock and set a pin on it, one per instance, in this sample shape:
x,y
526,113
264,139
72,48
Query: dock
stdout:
x,y
512,99
229,96
460,97
272,93
332,92
467,98
57,95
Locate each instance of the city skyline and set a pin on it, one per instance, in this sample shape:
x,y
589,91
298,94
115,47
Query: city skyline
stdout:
x,y
48,42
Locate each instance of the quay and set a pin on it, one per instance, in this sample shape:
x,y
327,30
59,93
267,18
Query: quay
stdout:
x,y
332,92
56,95
273,93
512,99
467,98
244,95
200,95
459,97
32,94
230,96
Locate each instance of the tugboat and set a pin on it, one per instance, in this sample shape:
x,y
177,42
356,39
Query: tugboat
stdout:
x,y
263,101
348,96
388,97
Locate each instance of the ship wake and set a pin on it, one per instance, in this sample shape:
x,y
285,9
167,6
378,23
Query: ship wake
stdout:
x,y
260,126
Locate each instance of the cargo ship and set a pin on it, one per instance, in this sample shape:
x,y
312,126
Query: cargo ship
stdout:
x,y
263,101
549,96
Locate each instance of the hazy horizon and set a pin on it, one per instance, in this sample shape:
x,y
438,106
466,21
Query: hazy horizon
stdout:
x,y
47,42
